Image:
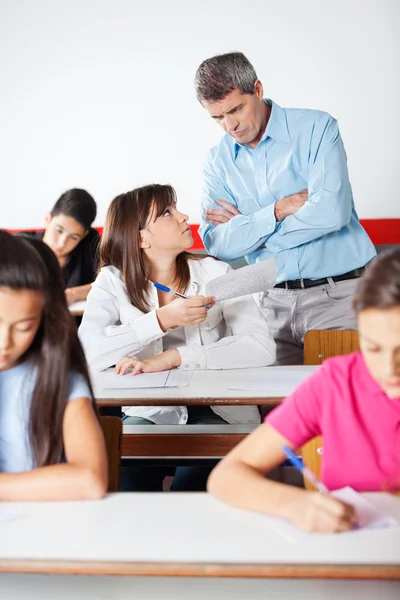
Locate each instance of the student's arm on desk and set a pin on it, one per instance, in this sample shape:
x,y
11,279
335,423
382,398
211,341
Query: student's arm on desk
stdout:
x,y
239,479
83,477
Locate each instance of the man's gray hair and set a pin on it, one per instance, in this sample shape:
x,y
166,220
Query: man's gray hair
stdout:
x,y
218,76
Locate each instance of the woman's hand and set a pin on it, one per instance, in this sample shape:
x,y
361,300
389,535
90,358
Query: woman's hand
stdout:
x,y
313,511
160,362
184,312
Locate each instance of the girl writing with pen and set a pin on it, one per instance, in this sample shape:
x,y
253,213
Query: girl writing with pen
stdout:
x,y
131,324
353,401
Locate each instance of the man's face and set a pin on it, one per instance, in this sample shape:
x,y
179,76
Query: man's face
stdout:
x,y
63,234
243,116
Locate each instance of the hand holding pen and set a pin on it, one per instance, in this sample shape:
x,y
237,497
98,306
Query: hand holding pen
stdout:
x,y
318,511
184,311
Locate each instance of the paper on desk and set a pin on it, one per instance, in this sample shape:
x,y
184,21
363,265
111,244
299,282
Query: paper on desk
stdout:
x,y
9,515
369,517
284,380
162,379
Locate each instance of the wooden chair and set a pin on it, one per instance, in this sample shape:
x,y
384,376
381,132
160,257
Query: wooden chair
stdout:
x,y
112,431
320,344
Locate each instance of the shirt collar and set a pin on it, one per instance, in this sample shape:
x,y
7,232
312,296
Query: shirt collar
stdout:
x,y
276,127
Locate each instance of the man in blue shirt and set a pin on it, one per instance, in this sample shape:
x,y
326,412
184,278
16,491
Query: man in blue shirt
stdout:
x,y
277,186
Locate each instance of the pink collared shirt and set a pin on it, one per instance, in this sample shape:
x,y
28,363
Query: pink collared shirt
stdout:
x,y
359,423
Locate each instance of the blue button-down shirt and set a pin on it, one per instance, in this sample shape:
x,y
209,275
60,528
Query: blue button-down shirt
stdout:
x,y
300,149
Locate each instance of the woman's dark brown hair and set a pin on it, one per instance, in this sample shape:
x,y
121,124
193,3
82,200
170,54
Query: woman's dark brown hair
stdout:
x,y
55,353
379,287
120,243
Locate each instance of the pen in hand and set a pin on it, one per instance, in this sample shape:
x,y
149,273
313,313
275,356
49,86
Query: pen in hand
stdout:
x,y
164,288
307,473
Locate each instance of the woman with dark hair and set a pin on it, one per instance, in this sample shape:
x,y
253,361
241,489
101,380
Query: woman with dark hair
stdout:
x,y
51,444
128,323
70,235
353,401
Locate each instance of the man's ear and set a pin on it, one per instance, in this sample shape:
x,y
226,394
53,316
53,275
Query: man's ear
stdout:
x,y
143,241
258,89
47,218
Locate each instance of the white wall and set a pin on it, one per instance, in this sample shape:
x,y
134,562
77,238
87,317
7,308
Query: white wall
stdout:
x,y
99,94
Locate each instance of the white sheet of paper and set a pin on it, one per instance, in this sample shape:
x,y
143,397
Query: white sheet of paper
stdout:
x,y
283,380
9,515
172,378
369,516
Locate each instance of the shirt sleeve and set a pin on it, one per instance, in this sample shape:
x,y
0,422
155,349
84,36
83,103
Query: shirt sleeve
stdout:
x,y
250,344
242,234
78,387
299,416
330,201
104,338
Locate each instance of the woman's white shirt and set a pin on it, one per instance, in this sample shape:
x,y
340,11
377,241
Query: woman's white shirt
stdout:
x,y
235,335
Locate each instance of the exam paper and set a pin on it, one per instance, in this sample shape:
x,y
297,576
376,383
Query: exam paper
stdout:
x,y
9,515
162,379
283,381
369,517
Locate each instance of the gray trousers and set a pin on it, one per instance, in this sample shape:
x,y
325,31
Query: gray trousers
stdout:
x,y
291,313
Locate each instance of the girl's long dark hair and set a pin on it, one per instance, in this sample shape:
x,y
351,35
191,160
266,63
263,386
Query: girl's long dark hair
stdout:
x,y
55,352
120,243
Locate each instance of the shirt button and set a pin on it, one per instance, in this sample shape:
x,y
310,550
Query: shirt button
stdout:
x,y
198,366
207,324
186,366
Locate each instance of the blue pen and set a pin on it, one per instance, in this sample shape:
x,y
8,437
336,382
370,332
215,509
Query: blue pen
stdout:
x,y
308,474
164,288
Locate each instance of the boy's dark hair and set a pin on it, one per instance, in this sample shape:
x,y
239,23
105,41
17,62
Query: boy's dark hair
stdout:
x,y
77,204
379,287
219,75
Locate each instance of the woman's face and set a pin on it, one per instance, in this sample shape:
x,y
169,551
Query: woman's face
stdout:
x,y
379,331
168,233
20,318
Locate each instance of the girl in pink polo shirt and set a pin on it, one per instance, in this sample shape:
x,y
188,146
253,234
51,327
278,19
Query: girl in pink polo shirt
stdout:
x,y
353,401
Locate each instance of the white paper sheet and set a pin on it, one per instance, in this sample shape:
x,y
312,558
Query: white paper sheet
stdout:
x,y
284,381
369,517
172,378
9,515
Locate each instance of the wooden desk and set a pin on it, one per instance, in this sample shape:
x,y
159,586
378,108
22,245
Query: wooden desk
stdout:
x,y
184,535
206,388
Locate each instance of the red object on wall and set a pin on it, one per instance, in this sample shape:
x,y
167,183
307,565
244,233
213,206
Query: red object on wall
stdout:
x,y
381,231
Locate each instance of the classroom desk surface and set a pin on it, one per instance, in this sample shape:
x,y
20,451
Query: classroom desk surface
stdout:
x,y
185,535
208,388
